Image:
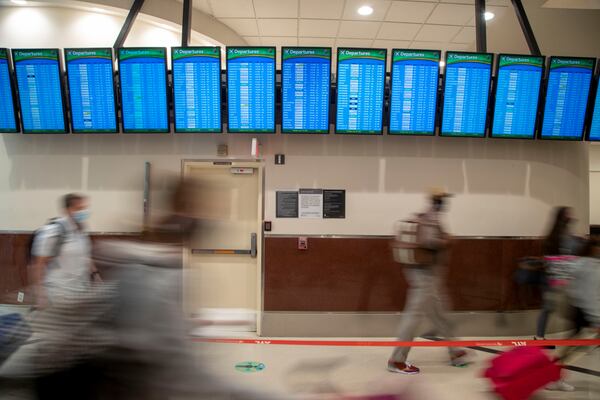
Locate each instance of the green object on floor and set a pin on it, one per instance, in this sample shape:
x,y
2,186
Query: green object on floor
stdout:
x,y
249,366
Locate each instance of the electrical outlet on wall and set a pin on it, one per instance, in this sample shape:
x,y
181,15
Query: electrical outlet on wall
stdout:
x,y
20,297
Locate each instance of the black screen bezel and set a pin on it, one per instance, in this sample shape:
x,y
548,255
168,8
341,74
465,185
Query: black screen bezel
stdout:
x,y
543,110
13,92
307,132
175,129
437,100
593,92
73,130
62,94
157,131
337,71
274,89
487,109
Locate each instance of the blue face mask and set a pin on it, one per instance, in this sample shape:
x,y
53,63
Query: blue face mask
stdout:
x,y
81,216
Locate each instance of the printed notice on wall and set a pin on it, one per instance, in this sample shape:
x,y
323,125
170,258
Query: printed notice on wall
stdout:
x,y
334,204
287,204
311,203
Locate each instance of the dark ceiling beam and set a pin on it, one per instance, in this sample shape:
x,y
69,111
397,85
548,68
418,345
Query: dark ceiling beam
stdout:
x,y
534,49
133,12
186,23
480,29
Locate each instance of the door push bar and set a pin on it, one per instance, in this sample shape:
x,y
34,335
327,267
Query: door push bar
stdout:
x,y
252,252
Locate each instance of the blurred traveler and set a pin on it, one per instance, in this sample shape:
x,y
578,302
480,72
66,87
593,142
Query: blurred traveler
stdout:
x,y
61,253
425,277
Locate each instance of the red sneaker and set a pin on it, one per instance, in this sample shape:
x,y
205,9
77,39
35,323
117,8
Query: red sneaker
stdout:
x,y
459,358
402,368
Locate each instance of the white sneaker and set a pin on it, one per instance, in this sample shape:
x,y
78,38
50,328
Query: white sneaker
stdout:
x,y
561,386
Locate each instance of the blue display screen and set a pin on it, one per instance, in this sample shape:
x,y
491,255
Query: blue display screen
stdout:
x,y
567,94
197,89
251,89
91,90
517,94
8,121
360,90
414,92
595,124
466,93
40,90
306,74
143,76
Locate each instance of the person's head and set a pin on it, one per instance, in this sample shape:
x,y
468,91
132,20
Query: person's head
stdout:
x,y
76,207
562,219
439,199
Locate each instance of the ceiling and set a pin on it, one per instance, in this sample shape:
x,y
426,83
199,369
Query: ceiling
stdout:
x,y
422,24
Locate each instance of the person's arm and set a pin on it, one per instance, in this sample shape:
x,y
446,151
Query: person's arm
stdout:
x,y
95,274
41,255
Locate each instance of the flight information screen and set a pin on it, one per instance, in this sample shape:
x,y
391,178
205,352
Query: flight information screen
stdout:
x,y
143,76
306,74
517,94
91,90
466,93
251,89
595,124
8,116
567,92
414,92
197,88
40,90
360,86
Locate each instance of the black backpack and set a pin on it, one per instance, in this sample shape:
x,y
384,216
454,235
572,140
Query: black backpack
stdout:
x,y
59,242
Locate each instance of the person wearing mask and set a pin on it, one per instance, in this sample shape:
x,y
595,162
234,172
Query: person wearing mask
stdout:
x,y
61,253
427,292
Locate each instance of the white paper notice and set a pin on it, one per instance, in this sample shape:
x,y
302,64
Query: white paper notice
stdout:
x,y
310,203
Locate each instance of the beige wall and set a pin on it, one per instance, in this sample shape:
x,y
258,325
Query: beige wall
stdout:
x,y
503,187
595,184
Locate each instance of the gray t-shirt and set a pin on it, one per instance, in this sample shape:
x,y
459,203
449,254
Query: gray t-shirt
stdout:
x,y
71,266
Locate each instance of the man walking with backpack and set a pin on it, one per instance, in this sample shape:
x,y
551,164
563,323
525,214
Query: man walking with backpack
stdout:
x,y
424,269
61,253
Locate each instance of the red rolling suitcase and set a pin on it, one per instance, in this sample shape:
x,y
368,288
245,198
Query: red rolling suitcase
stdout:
x,y
520,372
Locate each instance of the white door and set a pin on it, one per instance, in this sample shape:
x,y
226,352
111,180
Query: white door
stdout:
x,y
223,275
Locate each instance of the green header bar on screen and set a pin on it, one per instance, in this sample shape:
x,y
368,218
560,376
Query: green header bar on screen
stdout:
x,y
23,55
352,54
77,54
454,58
237,52
316,52
560,62
521,60
126,54
180,53
406,55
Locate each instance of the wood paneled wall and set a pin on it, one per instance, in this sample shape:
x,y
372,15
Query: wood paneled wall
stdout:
x,y
348,274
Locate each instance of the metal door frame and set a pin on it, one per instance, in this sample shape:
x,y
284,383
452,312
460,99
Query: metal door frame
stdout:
x,y
259,164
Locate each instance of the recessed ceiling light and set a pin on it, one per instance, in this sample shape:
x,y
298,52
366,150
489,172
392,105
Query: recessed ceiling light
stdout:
x,y
365,10
19,2
488,15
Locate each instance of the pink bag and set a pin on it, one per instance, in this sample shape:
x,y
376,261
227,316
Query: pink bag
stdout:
x,y
518,373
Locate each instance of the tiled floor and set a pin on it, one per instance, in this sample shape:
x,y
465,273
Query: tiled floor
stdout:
x,y
307,371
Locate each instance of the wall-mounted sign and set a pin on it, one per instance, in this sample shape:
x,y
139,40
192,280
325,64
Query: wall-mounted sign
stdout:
x,y
311,203
287,204
334,204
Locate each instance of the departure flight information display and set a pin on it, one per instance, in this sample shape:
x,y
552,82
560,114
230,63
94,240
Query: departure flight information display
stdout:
x,y
414,92
91,90
143,76
594,133
517,94
567,92
466,93
360,90
8,116
40,90
305,82
251,89
197,88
